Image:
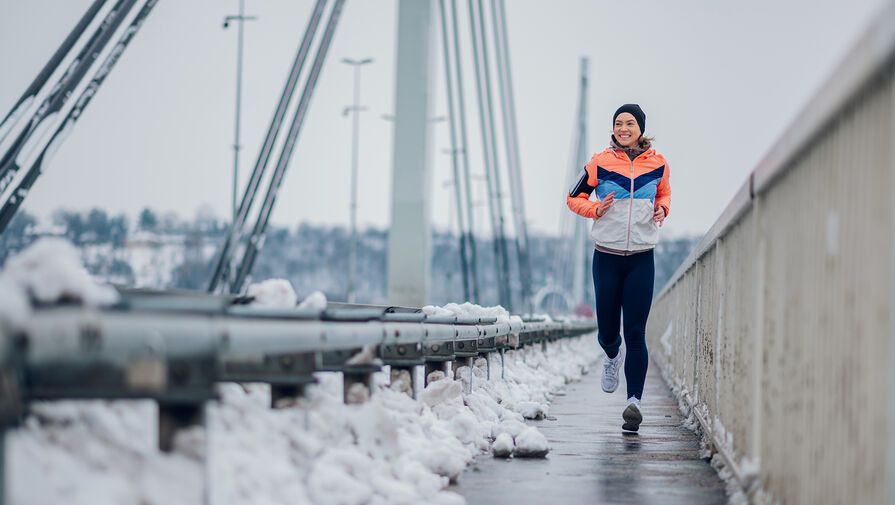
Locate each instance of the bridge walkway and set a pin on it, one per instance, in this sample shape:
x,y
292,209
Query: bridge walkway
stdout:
x,y
592,462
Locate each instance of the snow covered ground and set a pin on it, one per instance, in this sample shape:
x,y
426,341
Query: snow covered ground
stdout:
x,y
390,450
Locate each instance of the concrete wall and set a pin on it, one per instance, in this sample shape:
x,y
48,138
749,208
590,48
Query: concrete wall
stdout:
x,y
778,328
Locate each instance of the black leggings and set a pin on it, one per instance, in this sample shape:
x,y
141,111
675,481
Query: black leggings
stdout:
x,y
624,284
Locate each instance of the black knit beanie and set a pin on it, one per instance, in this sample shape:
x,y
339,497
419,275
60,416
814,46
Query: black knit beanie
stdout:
x,y
635,111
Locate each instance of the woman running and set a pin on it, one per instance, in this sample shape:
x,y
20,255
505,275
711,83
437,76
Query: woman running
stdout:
x,y
631,181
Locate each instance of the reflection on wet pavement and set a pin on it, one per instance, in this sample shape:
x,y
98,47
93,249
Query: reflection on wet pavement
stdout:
x,y
593,462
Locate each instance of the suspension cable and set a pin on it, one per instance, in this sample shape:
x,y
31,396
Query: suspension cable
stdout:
x,y
467,179
256,239
454,151
222,261
483,88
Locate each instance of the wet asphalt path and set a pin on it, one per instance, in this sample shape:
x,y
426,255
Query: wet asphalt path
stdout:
x,y
592,462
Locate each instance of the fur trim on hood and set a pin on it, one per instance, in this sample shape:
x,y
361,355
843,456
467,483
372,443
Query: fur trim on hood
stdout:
x,y
643,146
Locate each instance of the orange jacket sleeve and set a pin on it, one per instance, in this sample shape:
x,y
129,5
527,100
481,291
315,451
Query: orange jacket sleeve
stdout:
x,y
663,191
578,199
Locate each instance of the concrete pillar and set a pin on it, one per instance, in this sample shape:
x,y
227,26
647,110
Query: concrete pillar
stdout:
x,y
409,236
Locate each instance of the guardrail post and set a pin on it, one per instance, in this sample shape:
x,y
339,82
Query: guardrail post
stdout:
x,y
288,373
470,362
437,354
432,366
455,366
468,349
2,466
175,416
352,375
361,375
503,365
282,395
396,376
487,344
10,399
403,357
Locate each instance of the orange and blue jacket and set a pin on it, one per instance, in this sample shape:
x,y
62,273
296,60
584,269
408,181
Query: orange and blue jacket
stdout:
x,y
641,186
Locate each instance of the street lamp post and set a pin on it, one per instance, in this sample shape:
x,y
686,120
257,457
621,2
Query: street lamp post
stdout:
x,y
355,108
241,18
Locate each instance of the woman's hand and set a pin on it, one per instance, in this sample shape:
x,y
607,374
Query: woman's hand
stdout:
x,y
659,216
605,204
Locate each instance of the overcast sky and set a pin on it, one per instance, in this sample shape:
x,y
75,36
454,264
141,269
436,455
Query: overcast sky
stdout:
x,y
719,82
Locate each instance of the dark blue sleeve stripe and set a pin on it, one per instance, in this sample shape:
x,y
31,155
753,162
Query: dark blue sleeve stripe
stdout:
x,y
581,186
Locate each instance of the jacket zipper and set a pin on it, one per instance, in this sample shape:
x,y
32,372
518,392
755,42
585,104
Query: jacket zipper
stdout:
x,y
630,209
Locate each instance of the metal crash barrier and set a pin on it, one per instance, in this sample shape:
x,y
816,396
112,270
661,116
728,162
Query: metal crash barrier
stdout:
x,y
174,347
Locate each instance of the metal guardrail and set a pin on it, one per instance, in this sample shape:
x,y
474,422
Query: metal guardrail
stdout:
x,y
778,329
10,400
173,347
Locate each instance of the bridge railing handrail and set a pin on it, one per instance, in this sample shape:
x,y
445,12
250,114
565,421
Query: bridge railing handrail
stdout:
x,y
868,56
777,330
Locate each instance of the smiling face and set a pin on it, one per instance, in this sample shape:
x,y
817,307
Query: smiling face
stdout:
x,y
626,130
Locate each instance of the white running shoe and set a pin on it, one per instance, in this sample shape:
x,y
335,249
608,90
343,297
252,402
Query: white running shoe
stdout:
x,y
632,415
609,380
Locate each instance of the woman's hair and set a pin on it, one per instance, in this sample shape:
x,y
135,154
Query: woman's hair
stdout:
x,y
646,142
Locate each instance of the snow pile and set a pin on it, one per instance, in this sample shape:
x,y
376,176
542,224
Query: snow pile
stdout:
x,y
389,449
543,317
531,443
14,305
279,293
738,489
473,310
431,310
503,446
530,376
366,356
314,301
100,453
273,293
48,271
